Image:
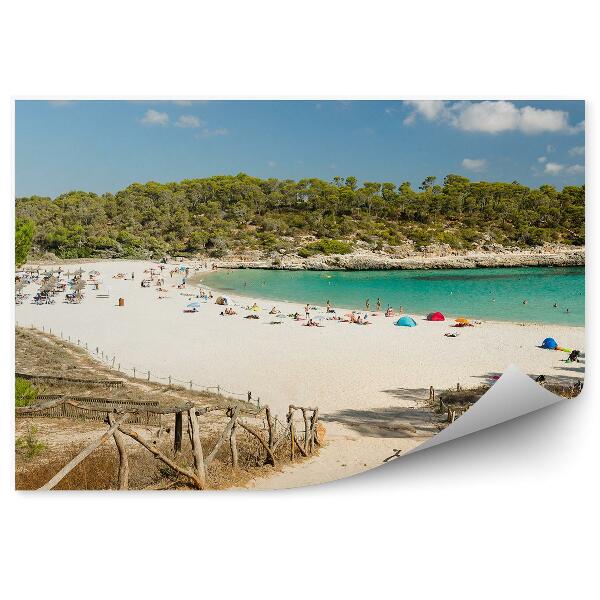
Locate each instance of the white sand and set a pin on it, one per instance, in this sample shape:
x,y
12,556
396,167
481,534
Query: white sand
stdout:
x,y
339,366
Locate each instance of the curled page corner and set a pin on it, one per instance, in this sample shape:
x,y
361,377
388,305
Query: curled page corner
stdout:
x,y
513,395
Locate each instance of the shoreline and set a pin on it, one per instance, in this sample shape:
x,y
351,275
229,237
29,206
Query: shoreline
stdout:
x,y
367,381
195,281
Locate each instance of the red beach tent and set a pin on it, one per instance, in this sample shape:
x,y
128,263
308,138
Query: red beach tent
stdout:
x,y
436,316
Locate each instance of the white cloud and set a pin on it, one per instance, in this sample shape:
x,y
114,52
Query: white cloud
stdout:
x,y
577,151
575,169
553,168
492,116
189,121
153,117
429,109
474,164
540,120
486,117
542,159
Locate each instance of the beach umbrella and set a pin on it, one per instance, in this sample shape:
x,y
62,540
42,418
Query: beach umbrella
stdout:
x,y
80,285
79,271
193,305
462,320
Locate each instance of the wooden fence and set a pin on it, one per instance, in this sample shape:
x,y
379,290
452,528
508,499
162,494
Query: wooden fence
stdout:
x,y
451,413
111,383
94,409
304,439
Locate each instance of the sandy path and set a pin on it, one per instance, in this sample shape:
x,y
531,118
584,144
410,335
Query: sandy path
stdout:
x,y
357,375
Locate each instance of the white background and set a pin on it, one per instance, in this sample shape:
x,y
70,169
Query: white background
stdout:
x,y
511,512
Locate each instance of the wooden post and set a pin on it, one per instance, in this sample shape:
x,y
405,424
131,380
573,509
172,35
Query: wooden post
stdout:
x,y
148,375
233,446
305,429
178,432
190,384
134,372
290,418
314,421
233,414
123,457
194,429
169,381
271,430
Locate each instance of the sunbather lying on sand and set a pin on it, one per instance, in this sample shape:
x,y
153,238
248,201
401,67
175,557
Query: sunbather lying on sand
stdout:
x,y
251,317
273,311
311,323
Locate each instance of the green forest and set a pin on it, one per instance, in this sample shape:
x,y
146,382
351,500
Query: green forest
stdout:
x,y
219,215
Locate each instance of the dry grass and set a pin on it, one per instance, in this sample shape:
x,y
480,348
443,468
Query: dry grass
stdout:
x,y
63,438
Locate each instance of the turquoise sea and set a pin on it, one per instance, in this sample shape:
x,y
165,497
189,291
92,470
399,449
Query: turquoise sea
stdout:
x,y
496,294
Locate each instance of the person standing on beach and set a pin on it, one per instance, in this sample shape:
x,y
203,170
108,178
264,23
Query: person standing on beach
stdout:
x,y
307,311
367,304
378,305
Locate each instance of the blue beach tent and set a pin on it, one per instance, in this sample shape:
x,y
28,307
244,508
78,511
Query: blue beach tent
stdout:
x,y
406,321
549,344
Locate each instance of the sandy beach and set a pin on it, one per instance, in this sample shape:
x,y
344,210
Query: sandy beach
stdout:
x,y
362,378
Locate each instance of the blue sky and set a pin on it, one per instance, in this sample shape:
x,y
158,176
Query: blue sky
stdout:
x,y
103,146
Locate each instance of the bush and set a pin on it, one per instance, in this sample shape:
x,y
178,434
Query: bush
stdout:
x,y
325,247
25,393
29,445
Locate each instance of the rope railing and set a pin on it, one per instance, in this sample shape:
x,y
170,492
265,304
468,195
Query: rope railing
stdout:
x,y
110,361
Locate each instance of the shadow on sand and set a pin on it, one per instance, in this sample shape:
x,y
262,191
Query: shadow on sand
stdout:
x,y
391,421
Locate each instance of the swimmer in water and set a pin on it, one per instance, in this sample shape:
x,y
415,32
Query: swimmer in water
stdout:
x,y
524,301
